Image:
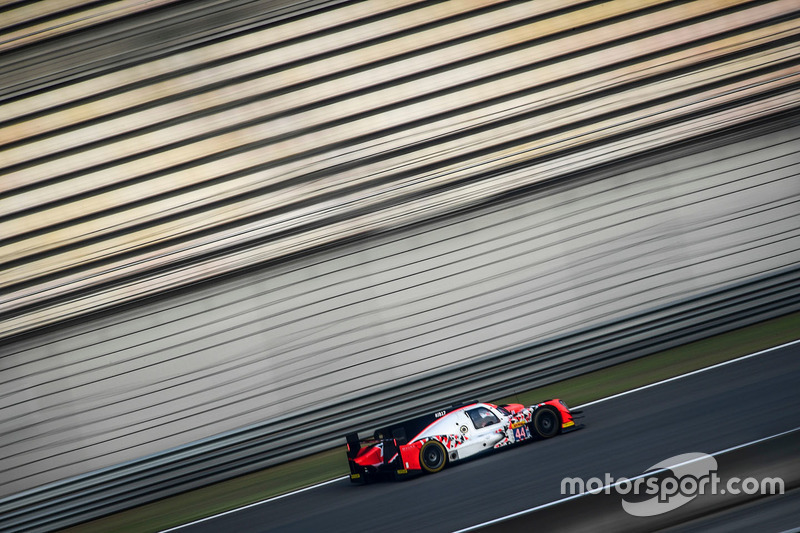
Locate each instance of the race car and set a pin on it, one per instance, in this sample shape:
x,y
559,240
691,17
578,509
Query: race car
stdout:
x,y
428,443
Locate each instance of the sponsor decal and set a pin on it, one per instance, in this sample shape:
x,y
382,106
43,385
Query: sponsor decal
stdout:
x,y
450,441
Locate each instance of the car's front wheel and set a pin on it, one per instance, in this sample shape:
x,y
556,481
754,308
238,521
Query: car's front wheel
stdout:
x,y
546,422
432,456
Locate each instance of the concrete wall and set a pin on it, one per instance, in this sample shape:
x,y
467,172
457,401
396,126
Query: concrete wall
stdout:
x,y
145,146
379,310
212,212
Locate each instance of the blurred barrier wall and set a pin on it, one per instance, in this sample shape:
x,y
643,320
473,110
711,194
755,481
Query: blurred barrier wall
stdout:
x,y
321,206
559,282
162,148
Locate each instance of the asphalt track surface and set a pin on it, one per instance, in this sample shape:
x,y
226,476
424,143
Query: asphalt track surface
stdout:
x,y
780,514
624,436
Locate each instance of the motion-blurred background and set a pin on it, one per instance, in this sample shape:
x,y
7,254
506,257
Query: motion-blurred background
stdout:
x,y
215,215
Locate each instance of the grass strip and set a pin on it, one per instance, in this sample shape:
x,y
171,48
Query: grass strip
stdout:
x,y
293,475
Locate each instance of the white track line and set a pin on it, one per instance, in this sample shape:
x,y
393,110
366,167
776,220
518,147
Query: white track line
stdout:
x,y
604,487
742,358
704,369
257,503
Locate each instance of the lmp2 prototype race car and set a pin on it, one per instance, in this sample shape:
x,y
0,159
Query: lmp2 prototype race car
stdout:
x,y
428,443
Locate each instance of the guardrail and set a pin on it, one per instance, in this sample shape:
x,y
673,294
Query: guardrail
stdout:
x,y
134,483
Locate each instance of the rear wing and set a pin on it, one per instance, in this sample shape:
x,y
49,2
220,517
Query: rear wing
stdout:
x,y
391,438
391,452
353,446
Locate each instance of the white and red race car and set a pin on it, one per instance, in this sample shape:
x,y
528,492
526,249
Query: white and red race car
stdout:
x,y
428,443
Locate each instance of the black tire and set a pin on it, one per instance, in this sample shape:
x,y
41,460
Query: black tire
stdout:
x,y
546,422
432,456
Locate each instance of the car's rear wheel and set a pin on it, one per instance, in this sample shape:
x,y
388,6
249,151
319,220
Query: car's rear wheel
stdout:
x,y
546,422
432,456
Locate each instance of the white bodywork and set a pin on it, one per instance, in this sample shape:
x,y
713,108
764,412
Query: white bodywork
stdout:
x,y
474,429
